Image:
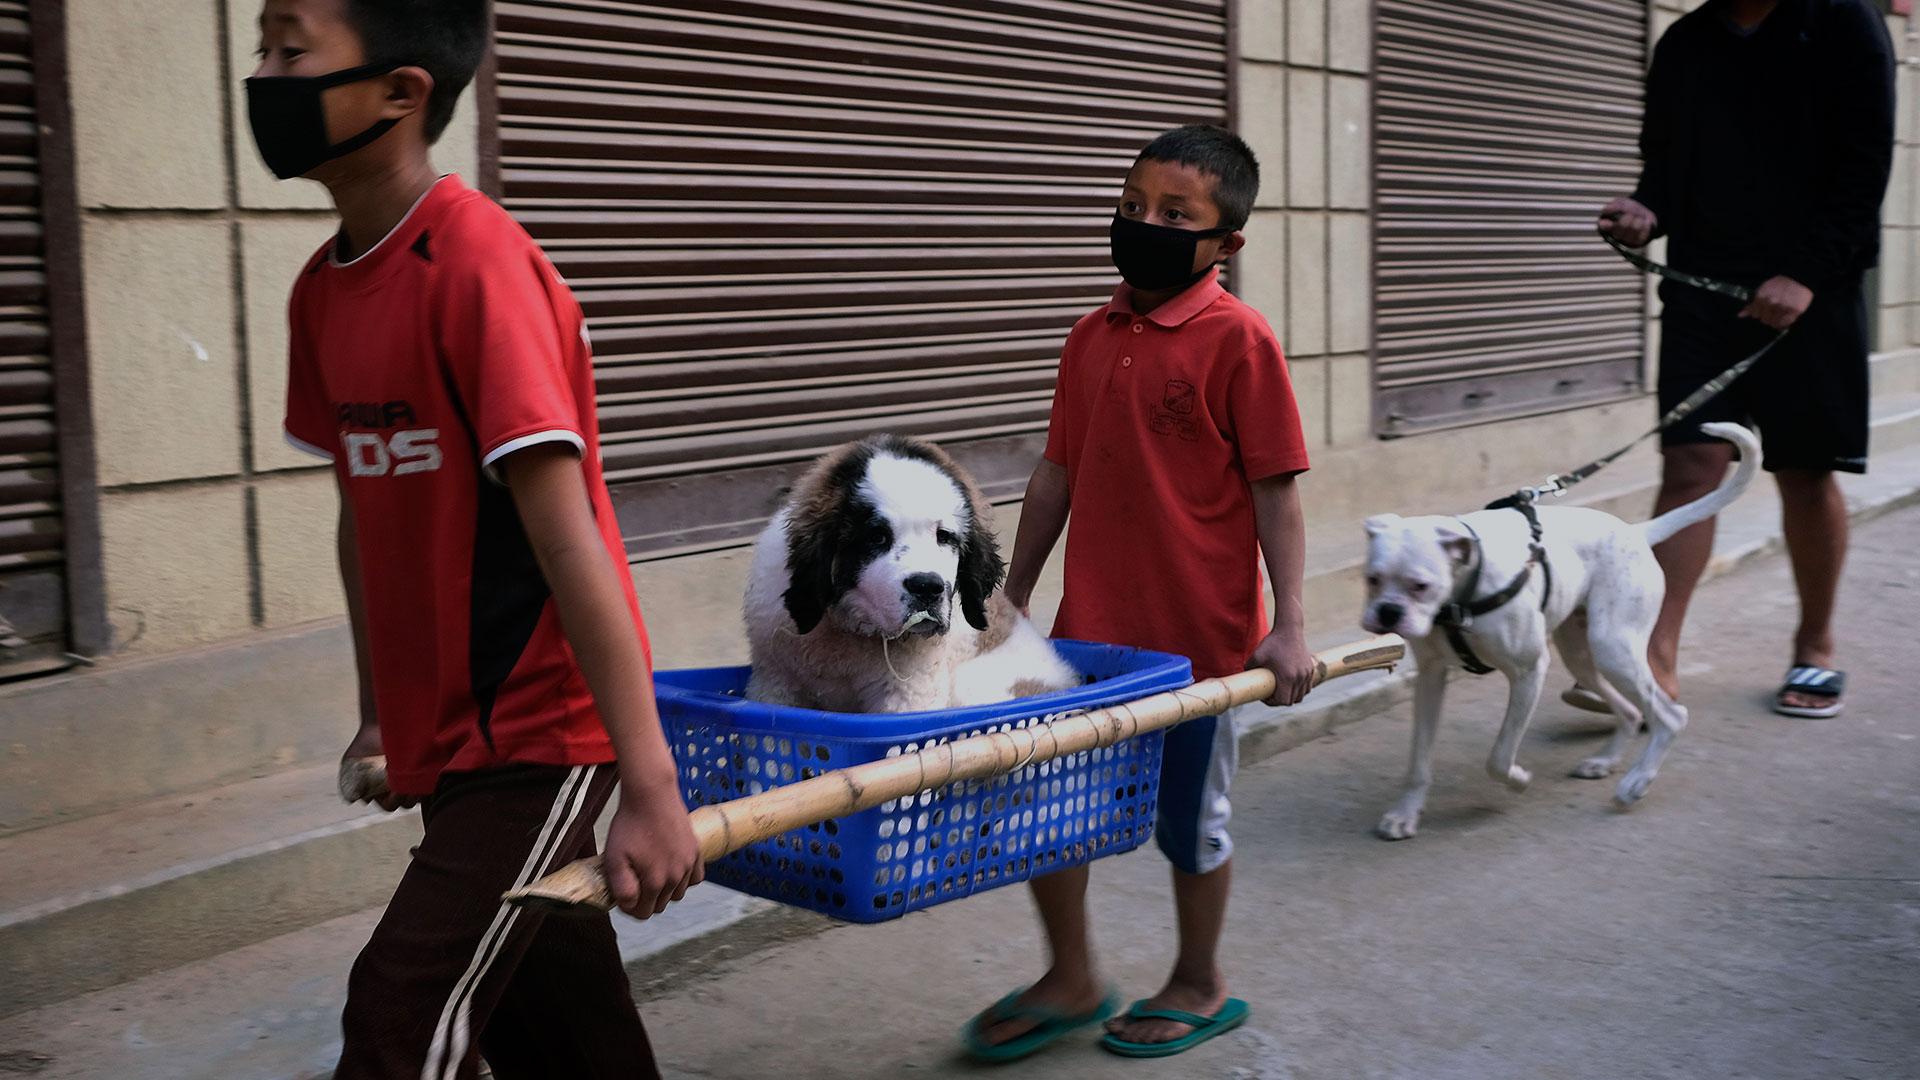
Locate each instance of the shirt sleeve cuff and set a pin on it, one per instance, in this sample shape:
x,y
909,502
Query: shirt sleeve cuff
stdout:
x,y
490,463
306,447
1267,470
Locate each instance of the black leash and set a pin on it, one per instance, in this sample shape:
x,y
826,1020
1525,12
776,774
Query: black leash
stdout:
x,y
1712,285
1456,616
1559,483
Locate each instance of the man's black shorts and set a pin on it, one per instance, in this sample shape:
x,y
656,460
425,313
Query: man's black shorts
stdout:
x,y
1808,396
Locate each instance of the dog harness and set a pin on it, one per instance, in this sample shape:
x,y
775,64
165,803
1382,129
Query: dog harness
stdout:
x,y
1457,614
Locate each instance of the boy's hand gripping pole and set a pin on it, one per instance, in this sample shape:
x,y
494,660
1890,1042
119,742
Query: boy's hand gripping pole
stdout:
x,y
727,827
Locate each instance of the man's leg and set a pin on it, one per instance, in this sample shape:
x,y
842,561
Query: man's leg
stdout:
x,y
1813,516
1688,472
1070,986
424,988
1816,414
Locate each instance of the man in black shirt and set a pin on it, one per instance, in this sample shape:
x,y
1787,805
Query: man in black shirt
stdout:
x,y
1767,140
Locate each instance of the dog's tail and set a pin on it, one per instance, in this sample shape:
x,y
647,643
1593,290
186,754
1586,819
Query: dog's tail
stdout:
x,y
1681,517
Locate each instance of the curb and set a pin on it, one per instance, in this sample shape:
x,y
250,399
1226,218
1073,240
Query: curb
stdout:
x,y
662,959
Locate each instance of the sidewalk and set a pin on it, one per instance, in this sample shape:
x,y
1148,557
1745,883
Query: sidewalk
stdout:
x,y
1757,916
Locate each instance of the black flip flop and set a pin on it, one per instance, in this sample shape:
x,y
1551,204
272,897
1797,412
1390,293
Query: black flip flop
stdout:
x,y
1815,682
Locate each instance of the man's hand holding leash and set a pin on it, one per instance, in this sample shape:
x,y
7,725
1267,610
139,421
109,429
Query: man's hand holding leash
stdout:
x,y
1778,302
1628,222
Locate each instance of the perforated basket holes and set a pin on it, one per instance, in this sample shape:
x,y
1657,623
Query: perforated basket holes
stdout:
x,y
717,765
1095,803
984,833
940,845
926,849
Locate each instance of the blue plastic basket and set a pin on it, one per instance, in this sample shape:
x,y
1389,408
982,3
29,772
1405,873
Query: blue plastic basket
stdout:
x,y
942,845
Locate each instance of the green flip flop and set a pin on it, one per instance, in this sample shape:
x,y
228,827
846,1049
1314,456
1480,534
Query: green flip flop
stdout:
x,y
1051,1025
1231,1015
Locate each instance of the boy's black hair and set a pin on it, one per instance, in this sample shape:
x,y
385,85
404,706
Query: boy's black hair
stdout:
x,y
446,37
1220,154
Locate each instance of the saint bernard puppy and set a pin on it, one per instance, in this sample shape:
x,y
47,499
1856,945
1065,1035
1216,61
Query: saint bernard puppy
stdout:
x,y
876,589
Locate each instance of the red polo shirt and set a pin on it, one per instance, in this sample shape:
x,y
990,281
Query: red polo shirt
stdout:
x,y
1162,421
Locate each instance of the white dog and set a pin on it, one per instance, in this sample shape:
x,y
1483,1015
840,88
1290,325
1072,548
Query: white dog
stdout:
x,y
1591,580
850,602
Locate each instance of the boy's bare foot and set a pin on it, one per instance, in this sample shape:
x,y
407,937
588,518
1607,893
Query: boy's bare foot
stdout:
x,y
1067,993
1202,998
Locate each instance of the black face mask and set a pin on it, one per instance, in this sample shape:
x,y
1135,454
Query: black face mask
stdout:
x,y
1157,257
290,124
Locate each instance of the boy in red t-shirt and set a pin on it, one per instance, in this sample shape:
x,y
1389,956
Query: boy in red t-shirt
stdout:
x,y
1175,440
441,364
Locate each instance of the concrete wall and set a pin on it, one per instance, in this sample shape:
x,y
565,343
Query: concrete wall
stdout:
x,y
1899,276
213,527
1305,107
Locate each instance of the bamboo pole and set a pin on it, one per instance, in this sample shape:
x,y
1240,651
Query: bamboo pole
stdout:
x,y
727,827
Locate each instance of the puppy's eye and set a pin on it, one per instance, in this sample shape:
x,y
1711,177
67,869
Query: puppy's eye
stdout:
x,y
879,535
946,538
1373,581
1418,588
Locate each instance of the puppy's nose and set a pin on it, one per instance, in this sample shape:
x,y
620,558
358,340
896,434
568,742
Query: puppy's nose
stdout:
x,y
1389,615
928,589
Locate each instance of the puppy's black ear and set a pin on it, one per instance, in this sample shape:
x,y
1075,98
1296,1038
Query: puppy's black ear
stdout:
x,y
810,553
981,569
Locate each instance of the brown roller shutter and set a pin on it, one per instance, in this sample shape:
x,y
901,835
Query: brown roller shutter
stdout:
x,y
1502,126
33,600
795,223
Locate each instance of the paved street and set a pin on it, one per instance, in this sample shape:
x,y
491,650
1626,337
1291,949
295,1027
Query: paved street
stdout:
x,y
1757,916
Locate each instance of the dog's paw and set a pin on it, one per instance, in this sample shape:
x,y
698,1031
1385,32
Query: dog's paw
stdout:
x,y
1398,825
1513,776
1595,768
1633,787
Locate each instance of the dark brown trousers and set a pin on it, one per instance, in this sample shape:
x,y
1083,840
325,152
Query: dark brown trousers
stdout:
x,y
451,974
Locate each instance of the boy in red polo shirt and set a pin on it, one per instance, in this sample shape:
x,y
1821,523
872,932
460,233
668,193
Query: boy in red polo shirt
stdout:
x,y
1175,441
441,364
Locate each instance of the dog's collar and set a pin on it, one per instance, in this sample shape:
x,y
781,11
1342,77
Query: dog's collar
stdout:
x,y
1457,614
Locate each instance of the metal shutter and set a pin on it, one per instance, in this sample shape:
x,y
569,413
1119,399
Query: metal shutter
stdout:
x,y
1502,127
33,600
796,223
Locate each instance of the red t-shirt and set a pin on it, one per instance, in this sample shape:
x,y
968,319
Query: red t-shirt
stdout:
x,y
1162,421
415,368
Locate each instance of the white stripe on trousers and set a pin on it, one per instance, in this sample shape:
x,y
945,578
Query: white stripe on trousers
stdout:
x,y
443,1062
